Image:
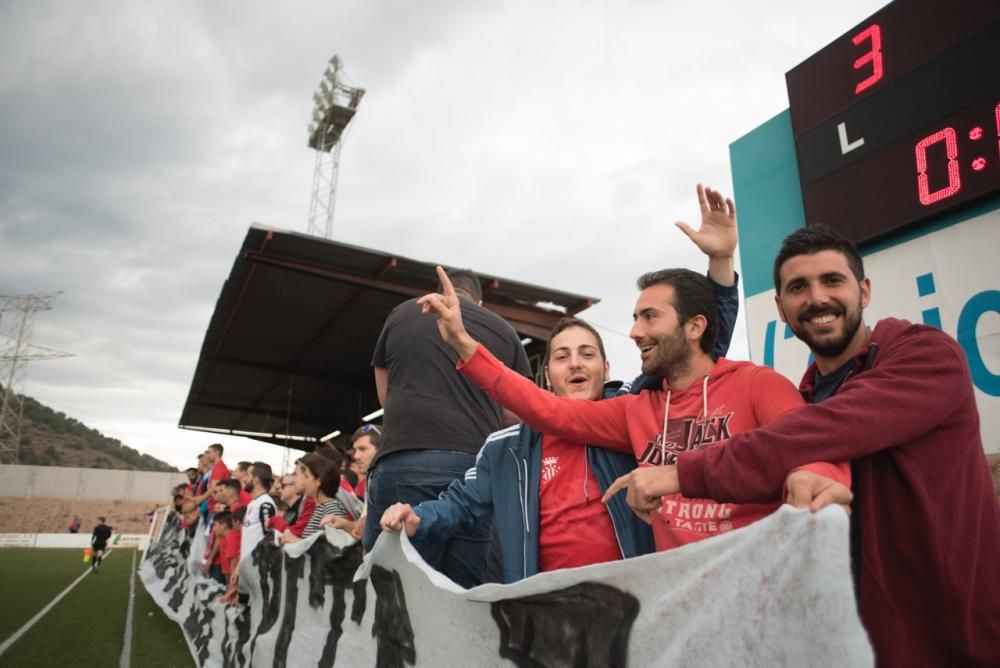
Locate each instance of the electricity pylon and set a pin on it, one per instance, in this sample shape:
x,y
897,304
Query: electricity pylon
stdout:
x,y
17,312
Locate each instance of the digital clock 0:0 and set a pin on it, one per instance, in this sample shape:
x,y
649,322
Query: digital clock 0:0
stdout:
x,y
954,184
924,174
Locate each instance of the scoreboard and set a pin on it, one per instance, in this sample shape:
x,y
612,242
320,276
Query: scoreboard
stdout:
x,y
898,120
892,137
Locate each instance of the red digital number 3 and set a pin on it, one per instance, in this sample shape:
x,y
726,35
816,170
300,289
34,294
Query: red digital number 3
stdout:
x,y
874,56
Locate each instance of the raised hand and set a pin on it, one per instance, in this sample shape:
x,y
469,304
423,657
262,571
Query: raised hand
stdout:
x,y
448,311
717,235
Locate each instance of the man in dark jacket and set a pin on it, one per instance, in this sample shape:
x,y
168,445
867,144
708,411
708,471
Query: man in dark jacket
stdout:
x,y
897,401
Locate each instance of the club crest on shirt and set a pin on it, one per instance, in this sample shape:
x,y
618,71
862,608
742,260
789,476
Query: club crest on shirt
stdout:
x,y
550,467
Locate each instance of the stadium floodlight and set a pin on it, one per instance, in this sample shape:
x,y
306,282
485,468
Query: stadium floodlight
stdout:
x,y
332,434
334,104
371,416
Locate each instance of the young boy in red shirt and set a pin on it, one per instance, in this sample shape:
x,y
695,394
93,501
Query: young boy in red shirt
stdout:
x,y
227,528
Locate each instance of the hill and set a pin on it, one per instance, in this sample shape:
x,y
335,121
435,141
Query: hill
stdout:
x,y
51,438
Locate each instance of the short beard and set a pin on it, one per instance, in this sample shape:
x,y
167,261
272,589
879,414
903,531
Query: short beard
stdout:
x,y
835,346
248,487
672,358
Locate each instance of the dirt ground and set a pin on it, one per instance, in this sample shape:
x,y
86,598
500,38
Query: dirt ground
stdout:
x,y
54,515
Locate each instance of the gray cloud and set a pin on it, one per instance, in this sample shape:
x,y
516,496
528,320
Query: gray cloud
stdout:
x,y
551,144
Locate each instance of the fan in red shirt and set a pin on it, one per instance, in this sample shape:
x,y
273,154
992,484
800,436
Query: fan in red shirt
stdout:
x,y
231,495
219,470
229,525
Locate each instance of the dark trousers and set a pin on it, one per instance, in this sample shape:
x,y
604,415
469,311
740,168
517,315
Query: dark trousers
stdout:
x,y
412,476
215,572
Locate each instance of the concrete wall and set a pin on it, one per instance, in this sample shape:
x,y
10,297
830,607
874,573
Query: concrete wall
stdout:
x,y
57,482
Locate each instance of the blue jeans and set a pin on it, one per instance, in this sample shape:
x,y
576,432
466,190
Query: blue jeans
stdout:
x,y
412,476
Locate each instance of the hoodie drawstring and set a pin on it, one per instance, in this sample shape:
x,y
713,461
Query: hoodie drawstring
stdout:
x,y
663,439
666,416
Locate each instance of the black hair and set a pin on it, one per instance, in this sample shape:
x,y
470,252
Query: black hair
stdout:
x,y
239,514
232,484
693,296
569,323
811,240
225,518
242,466
465,280
217,447
262,470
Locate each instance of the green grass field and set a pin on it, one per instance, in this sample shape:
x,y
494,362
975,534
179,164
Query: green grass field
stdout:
x,y
87,627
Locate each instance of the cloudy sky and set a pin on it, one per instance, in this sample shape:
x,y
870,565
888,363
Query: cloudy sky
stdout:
x,y
549,142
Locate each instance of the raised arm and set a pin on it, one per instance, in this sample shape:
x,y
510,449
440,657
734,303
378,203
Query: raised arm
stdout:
x,y
595,422
717,236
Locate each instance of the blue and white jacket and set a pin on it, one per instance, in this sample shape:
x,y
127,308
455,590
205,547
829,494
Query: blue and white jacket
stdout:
x,y
504,486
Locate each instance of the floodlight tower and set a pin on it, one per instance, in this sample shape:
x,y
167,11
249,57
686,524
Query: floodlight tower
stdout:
x,y
335,104
15,353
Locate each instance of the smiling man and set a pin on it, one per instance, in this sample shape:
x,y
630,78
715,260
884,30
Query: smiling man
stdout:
x,y
544,492
897,401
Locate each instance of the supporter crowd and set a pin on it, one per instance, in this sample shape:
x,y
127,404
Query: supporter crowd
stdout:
x,y
237,508
495,479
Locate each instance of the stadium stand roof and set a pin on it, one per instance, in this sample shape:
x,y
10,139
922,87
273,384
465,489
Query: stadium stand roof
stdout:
x,y
286,356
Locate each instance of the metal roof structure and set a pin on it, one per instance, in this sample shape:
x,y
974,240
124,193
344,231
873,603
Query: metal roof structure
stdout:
x,y
286,357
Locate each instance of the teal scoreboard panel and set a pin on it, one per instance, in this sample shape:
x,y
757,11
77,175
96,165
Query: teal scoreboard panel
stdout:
x,y
892,138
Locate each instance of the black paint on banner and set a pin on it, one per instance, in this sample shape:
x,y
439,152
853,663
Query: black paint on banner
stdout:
x,y
331,566
392,621
294,570
584,626
198,621
243,638
179,585
267,558
360,596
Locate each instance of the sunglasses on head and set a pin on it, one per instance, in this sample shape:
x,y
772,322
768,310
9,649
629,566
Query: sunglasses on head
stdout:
x,y
365,428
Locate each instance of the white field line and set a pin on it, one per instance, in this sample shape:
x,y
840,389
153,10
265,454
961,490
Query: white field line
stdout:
x,y
125,660
44,611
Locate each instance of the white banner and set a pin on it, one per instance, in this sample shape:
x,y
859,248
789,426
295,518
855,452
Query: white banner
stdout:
x,y
778,592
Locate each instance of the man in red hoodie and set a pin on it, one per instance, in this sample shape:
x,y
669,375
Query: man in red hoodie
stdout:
x,y
701,403
898,402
